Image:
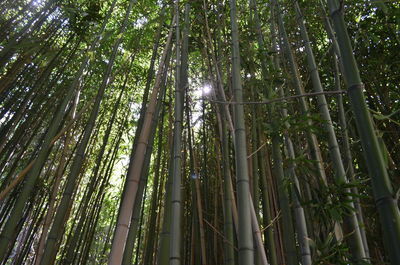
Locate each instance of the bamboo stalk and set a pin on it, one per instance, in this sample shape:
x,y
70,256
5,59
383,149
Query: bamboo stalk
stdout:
x,y
382,188
135,168
245,237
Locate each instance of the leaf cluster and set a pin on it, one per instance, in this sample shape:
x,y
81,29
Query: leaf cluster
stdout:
x,y
332,202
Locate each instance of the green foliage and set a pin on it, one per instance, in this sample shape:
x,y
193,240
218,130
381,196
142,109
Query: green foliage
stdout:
x,y
295,123
83,15
331,203
373,27
330,251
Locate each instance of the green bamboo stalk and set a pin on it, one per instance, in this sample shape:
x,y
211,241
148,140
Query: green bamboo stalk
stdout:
x,y
163,244
229,204
350,220
92,186
343,124
259,247
348,158
8,230
163,253
254,159
199,210
256,187
300,220
382,188
137,208
151,238
62,212
261,257
245,236
267,211
176,198
52,200
283,193
135,168
311,137
228,224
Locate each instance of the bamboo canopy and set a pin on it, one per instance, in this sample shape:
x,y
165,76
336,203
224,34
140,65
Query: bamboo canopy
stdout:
x,y
199,132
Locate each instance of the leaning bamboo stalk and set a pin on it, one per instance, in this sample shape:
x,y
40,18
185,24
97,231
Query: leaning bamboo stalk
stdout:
x,y
52,200
343,125
149,250
201,223
382,188
36,168
311,137
63,211
137,213
135,168
349,161
163,243
300,220
350,221
72,247
218,74
288,234
23,173
257,235
228,196
265,174
254,222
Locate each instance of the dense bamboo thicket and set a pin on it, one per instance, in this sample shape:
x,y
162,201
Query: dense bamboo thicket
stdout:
x,y
199,132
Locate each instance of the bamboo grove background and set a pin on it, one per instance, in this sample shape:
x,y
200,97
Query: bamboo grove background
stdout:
x,y
199,132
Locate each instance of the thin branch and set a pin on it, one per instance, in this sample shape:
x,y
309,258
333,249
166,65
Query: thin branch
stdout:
x,y
221,235
258,149
277,99
272,222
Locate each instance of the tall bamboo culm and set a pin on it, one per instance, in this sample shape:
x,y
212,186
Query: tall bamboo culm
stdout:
x,y
135,168
245,236
382,188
